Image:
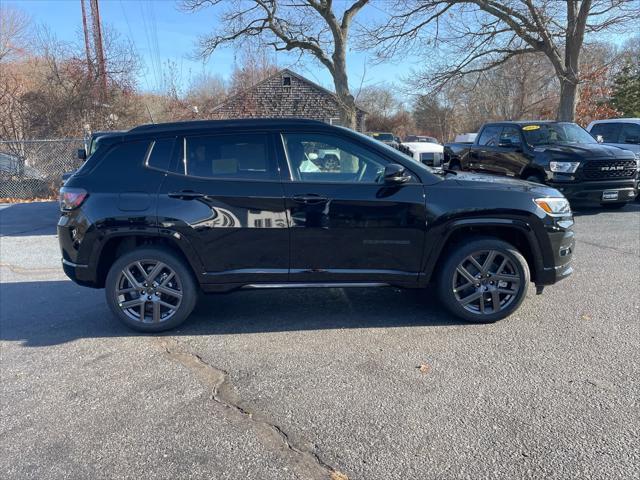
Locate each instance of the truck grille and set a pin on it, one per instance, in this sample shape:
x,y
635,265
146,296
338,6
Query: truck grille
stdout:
x,y
602,169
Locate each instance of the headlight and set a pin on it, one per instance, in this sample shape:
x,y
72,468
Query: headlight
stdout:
x,y
554,206
564,167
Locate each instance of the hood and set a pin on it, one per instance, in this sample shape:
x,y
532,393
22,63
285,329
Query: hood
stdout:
x,y
425,147
584,151
491,182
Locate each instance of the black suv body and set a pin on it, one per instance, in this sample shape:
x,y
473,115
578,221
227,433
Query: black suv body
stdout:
x,y
164,211
559,154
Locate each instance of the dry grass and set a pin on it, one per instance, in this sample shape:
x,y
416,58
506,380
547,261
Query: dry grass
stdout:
x,y
27,200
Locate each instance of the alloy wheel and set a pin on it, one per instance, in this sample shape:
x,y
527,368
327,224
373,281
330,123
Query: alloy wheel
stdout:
x,y
148,291
486,282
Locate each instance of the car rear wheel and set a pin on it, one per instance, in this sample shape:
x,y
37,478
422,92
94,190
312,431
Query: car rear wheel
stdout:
x,y
484,280
150,289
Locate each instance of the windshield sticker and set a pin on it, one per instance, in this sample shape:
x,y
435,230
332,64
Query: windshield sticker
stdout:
x,y
531,127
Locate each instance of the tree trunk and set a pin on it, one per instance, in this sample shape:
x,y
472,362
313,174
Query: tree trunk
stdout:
x,y
568,100
348,113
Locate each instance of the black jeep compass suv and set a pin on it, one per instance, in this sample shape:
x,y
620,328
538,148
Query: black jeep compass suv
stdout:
x,y
162,212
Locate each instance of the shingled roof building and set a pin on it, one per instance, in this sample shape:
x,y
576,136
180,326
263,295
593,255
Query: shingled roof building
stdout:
x,y
285,94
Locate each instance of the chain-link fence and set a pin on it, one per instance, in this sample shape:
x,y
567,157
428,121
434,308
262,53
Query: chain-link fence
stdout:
x,y
33,168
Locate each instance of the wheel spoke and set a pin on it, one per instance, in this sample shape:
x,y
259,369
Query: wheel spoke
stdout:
x,y
475,262
465,273
502,265
462,287
155,271
481,302
495,300
130,278
470,298
507,278
142,311
168,305
156,312
132,303
126,290
169,291
142,270
506,291
488,261
168,279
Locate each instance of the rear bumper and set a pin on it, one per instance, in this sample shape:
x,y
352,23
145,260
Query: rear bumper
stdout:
x,y
79,273
592,192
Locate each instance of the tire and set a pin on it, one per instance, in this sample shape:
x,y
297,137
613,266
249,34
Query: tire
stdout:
x,y
176,287
614,205
534,179
514,276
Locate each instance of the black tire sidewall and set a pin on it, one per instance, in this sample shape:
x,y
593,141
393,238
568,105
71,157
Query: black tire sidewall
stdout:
x,y
189,287
445,292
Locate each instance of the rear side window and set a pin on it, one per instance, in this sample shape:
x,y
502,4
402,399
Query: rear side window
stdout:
x,y
610,132
159,155
489,136
630,134
235,157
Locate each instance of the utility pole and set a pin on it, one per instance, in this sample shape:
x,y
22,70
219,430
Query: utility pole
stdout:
x,y
97,42
87,49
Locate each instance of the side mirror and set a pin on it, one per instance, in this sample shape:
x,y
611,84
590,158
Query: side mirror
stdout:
x,y
599,138
82,154
394,173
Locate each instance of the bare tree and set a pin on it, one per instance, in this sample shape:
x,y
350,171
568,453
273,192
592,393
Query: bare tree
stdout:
x,y
310,27
14,32
479,35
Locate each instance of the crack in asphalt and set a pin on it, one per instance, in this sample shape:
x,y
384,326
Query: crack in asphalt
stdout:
x,y
607,247
222,392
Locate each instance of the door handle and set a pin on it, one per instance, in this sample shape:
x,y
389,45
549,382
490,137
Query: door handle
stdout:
x,y
310,199
186,195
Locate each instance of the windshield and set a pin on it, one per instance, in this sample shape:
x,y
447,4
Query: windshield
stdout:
x,y
556,133
383,137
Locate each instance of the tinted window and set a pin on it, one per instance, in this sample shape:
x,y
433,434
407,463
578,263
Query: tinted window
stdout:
x,y
228,156
510,135
630,133
489,136
317,157
159,155
556,133
609,131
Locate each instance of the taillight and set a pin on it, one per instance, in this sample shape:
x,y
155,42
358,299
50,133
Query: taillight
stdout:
x,y
71,198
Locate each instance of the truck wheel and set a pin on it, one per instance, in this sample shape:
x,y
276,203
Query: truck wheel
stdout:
x,y
150,289
483,280
614,206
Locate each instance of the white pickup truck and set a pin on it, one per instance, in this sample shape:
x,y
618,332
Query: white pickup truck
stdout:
x,y
431,154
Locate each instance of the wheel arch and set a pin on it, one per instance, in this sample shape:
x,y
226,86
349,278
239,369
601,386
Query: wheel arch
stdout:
x,y
117,244
518,233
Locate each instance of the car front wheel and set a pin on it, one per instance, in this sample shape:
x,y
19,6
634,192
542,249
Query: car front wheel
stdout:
x,y
151,289
484,280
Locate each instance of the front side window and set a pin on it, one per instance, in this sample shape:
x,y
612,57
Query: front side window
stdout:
x,y
489,136
235,157
315,157
630,134
608,131
510,136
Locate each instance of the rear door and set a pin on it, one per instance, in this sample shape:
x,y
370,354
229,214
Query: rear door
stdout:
x,y
346,225
225,197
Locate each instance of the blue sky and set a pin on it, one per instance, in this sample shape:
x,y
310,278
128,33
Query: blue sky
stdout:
x,y
161,32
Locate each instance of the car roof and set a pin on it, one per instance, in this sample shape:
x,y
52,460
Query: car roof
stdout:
x,y
616,120
240,123
524,122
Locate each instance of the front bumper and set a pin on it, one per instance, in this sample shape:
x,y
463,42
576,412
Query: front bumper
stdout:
x,y
592,192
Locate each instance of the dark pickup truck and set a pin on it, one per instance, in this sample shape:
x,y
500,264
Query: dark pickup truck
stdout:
x,y
559,154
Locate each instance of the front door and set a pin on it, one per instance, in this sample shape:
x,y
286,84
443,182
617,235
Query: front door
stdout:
x,y
346,225
225,197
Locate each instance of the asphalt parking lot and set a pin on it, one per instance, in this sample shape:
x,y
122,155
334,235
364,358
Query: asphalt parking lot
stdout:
x,y
304,384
